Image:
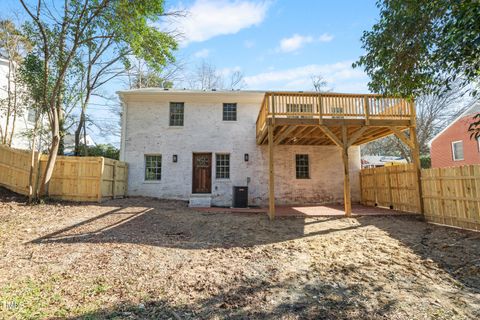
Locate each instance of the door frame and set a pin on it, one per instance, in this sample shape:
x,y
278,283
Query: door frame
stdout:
x,y
210,154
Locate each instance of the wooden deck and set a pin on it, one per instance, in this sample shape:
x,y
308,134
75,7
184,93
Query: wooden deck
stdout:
x,y
344,120
309,118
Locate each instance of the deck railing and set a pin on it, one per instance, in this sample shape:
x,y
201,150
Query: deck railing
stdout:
x,y
331,106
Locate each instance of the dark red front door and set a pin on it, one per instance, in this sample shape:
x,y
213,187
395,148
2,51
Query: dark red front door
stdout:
x,y
202,173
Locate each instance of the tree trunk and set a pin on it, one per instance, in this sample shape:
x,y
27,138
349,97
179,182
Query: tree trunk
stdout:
x,y
78,131
52,156
31,192
85,149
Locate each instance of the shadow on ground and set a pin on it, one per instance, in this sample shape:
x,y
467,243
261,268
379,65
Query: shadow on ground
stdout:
x,y
171,224
254,301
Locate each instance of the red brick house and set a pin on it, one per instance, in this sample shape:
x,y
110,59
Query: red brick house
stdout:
x,y
453,146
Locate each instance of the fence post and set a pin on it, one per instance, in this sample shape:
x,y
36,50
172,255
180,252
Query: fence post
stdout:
x,y
389,185
100,179
114,182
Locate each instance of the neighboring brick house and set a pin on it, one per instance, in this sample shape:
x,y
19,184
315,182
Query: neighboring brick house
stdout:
x,y
453,146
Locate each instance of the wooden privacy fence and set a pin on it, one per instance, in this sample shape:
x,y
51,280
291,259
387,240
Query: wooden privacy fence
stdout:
x,y
74,178
395,187
451,196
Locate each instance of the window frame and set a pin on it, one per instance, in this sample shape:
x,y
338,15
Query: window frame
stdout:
x,y
31,112
224,112
453,151
299,109
157,168
228,166
297,171
171,120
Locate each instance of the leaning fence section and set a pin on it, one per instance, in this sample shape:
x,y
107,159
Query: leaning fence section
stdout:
x,y
74,178
394,187
451,196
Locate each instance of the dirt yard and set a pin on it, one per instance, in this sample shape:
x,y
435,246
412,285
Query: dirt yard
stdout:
x,y
142,258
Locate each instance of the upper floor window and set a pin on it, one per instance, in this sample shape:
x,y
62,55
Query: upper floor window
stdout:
x,y
153,167
222,166
176,113
298,110
229,112
457,150
302,167
31,115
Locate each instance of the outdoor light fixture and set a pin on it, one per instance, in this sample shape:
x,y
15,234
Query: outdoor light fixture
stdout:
x,y
245,157
174,158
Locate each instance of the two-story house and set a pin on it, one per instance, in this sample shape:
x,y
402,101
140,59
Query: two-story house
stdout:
x,y
198,145
18,121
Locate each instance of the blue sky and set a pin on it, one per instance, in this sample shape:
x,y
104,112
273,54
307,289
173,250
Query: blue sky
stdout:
x,y
283,43
276,44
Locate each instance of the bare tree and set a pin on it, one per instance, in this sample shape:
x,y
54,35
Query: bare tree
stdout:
x,y
434,112
319,83
206,77
140,75
237,81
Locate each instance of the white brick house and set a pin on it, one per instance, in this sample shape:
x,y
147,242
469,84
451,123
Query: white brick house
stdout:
x,y
23,121
163,132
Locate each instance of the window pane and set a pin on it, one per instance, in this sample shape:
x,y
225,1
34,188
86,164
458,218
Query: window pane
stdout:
x,y
222,167
457,150
176,113
153,167
230,112
301,166
299,109
32,114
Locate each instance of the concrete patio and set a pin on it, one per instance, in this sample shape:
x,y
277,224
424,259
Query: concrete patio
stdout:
x,y
334,210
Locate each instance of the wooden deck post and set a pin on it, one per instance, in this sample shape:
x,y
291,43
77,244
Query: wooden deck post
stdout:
x,y
271,184
346,180
416,152
418,167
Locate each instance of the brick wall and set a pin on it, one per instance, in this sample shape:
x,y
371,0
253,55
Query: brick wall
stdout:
x,y
146,131
441,149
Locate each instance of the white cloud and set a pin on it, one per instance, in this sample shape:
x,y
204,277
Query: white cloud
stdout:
x,y
294,43
326,37
210,18
204,53
297,41
340,76
249,44
228,71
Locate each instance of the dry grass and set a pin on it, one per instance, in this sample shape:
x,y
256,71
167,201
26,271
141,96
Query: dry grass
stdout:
x,y
143,258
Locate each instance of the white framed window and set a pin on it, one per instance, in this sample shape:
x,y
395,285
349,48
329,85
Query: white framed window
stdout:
x,y
176,114
457,150
153,167
222,166
297,109
302,167
229,112
31,115
478,143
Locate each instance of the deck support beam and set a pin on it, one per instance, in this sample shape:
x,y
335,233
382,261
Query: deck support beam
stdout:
x,y
416,161
346,180
271,176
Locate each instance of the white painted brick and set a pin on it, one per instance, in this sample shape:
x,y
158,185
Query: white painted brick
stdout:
x,y
147,132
